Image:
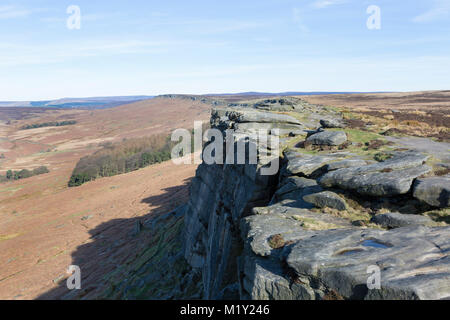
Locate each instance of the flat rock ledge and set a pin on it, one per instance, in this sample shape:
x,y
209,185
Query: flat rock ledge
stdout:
x,y
341,259
391,177
328,138
335,263
326,199
397,220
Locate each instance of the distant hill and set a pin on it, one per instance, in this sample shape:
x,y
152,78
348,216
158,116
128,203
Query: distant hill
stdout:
x,y
288,93
79,103
110,102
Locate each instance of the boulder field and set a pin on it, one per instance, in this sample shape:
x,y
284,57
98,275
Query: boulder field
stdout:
x,y
326,222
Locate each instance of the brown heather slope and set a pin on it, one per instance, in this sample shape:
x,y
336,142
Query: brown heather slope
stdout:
x,y
422,114
423,100
42,221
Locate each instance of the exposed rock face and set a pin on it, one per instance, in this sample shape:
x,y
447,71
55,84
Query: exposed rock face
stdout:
x,y
306,165
388,178
340,260
281,104
396,220
346,164
435,191
328,138
243,116
332,123
326,199
235,214
220,196
295,188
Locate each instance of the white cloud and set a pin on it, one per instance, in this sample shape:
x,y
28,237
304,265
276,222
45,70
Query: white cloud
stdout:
x,y
21,55
439,10
11,12
298,19
321,4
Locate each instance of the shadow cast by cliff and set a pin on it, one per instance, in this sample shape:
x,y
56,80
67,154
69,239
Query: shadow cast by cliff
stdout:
x,y
120,247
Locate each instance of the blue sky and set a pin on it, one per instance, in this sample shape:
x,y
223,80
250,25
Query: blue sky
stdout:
x,y
154,47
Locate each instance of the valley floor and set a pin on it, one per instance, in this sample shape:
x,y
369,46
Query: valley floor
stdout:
x,y
40,234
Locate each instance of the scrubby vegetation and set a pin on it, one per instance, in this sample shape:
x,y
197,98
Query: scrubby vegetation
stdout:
x,y
23,174
49,124
122,157
125,156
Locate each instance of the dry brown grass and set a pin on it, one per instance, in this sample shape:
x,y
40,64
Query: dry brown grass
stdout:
x,y
423,114
276,241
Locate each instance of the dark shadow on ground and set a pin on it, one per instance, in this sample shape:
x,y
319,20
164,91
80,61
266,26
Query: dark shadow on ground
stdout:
x,y
114,246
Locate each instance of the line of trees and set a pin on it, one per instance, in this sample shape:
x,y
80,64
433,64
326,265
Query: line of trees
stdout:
x,y
23,174
125,156
49,124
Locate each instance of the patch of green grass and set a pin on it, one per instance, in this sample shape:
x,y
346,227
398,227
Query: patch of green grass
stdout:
x,y
382,156
313,224
439,215
361,136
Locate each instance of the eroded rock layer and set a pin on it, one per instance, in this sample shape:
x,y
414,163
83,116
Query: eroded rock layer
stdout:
x,y
326,222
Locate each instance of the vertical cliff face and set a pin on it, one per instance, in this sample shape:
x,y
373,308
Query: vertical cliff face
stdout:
x,y
221,195
309,230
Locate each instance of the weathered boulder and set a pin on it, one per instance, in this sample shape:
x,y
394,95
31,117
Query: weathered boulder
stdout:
x,y
281,104
331,123
391,177
326,199
328,138
280,129
348,163
251,115
393,220
294,183
305,165
285,219
295,188
413,261
434,190
264,279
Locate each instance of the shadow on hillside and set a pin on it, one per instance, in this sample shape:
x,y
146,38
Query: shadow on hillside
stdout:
x,y
112,245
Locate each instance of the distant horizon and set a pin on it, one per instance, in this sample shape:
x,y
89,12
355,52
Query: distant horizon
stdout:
x,y
281,93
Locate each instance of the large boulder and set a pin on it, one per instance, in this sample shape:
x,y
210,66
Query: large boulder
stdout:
x,y
328,138
332,123
397,220
251,115
305,165
391,177
295,183
295,188
263,279
413,262
348,163
281,129
326,199
435,191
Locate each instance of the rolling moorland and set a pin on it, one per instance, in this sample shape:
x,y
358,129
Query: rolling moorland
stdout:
x,y
122,230
43,220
